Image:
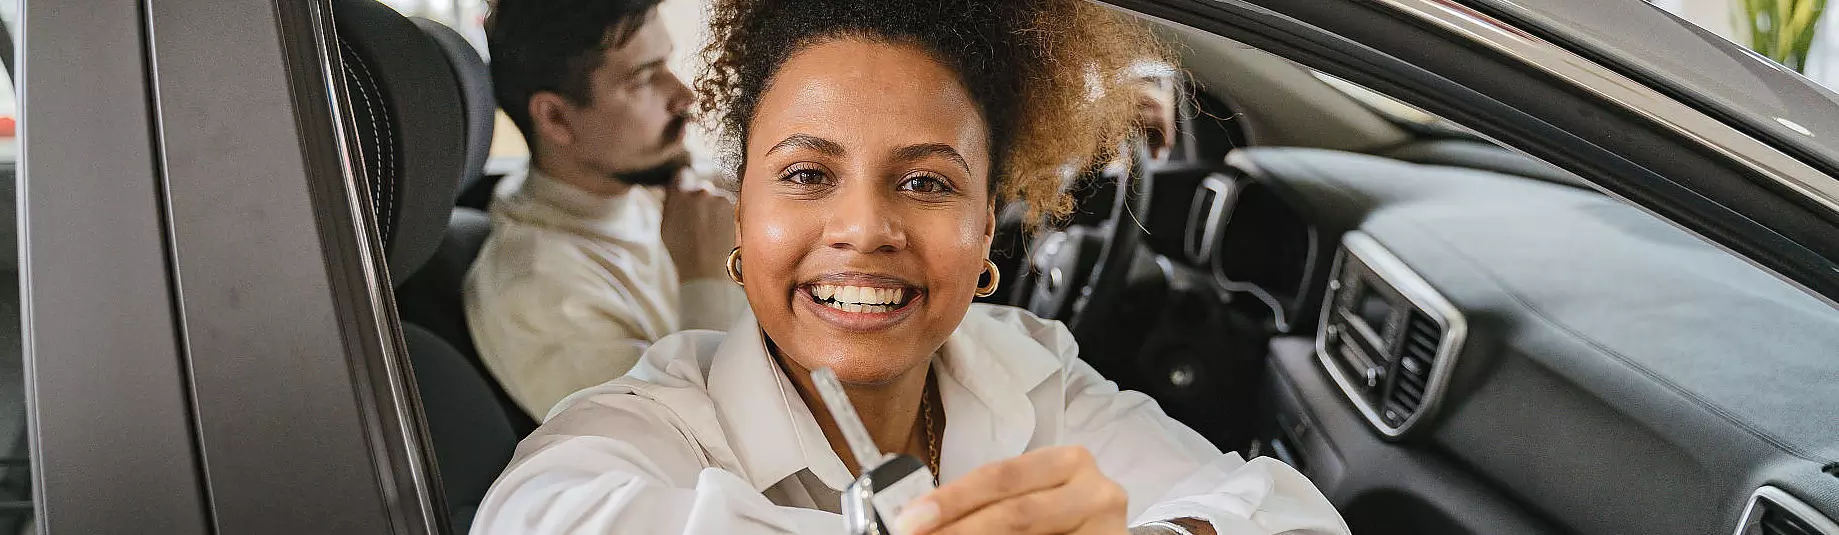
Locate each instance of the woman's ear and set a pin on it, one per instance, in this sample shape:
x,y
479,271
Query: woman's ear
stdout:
x,y
989,229
737,219
549,117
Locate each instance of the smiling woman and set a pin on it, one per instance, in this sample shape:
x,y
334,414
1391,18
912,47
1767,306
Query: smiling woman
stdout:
x,y
872,142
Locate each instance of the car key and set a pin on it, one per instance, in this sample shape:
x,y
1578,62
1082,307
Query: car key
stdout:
x,y
888,482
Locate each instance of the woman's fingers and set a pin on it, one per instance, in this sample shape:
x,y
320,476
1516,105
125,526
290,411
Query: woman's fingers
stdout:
x,y
992,483
1089,503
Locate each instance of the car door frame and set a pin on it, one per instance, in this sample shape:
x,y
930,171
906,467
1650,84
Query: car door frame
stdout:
x,y
210,340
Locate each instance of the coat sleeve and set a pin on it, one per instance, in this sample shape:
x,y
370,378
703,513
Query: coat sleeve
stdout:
x,y
574,476
544,338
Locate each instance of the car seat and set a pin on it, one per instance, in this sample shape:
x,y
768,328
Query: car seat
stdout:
x,y
407,116
431,296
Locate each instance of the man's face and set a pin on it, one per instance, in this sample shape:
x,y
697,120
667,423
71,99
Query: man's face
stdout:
x,y
631,128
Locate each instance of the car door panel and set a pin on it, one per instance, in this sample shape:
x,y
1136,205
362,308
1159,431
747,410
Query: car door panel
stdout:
x,y
109,407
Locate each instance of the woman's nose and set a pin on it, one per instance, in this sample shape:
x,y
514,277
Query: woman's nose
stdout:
x,y
862,221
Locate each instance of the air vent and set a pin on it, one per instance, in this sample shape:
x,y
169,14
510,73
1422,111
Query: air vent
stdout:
x,y
1204,217
1387,338
1778,522
1411,379
1774,512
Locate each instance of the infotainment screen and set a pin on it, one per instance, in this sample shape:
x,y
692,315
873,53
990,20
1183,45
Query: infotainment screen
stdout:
x,y
1374,309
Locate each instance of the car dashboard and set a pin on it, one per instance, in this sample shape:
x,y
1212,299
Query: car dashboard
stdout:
x,y
1466,351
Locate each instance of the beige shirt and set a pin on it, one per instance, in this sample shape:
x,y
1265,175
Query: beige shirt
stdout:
x,y
571,288
707,436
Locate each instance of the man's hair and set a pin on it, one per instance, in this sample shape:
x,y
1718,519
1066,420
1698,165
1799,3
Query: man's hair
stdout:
x,y
554,45
1044,73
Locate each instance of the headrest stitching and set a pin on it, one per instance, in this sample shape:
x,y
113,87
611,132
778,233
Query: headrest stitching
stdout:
x,y
385,187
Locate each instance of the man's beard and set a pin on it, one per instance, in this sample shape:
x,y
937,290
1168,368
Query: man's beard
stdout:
x,y
665,172
657,175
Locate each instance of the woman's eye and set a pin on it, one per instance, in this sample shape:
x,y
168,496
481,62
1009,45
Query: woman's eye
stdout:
x,y
805,177
925,184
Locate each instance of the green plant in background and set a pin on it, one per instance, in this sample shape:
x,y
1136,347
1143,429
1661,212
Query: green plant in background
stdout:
x,y
1782,29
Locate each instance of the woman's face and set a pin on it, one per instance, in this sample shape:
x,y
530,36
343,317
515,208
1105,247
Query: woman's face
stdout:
x,y
864,214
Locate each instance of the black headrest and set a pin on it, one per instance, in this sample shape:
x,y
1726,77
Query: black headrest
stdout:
x,y
409,125
476,92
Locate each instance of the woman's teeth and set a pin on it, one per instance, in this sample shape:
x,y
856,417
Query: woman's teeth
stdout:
x,y
859,298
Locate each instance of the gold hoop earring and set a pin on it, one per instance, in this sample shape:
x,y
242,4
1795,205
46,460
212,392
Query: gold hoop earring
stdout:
x,y
986,290
734,266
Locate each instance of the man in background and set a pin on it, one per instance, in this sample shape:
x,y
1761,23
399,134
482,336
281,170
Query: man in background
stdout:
x,y
598,250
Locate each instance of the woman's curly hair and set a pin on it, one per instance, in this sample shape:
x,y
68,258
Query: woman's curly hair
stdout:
x,y
1046,74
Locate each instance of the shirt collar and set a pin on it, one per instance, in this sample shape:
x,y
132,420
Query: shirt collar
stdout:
x,y
777,435
986,370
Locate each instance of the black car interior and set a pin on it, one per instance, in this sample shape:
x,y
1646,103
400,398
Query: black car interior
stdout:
x,y
1446,336
1611,365
1451,337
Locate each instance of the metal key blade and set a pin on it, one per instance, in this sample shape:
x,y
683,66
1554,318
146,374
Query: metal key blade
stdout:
x,y
856,434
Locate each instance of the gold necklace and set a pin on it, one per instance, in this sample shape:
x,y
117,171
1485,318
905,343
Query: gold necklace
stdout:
x,y
932,437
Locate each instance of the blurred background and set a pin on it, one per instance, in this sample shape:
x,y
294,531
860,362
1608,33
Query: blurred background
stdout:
x,y
684,18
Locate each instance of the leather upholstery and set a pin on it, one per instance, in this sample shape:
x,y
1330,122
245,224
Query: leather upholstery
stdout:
x,y
407,121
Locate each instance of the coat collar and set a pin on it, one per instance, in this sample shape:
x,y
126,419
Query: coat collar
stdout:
x,y
542,199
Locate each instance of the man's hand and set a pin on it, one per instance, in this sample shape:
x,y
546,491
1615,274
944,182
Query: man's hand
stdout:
x,y
1156,116
698,231
1048,491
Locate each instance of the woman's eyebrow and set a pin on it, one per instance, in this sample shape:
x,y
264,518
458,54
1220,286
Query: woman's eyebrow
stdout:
x,y
916,152
807,141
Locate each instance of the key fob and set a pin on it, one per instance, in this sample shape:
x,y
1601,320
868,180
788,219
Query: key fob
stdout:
x,y
888,482
871,504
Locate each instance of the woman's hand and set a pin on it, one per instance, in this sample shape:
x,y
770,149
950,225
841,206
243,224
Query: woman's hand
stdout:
x,y
1047,491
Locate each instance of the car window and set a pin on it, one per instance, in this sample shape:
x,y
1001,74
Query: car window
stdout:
x,y
1559,277
16,512
1803,41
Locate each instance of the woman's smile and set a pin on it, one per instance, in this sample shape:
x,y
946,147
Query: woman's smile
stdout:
x,y
860,302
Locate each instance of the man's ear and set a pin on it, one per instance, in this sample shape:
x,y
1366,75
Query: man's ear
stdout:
x,y
550,117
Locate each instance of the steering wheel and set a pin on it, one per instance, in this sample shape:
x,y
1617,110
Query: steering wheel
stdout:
x,y
1078,273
